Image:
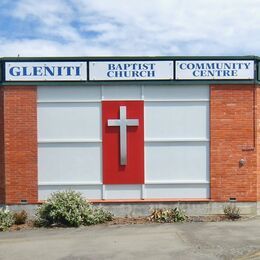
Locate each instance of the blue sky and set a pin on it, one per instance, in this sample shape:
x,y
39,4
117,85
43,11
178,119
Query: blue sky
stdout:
x,y
129,27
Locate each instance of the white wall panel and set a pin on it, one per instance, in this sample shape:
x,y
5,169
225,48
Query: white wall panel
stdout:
x,y
69,162
176,147
69,121
122,191
184,191
122,92
88,191
169,92
68,93
176,120
180,161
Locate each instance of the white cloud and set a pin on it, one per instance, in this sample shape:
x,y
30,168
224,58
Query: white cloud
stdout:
x,y
47,49
148,27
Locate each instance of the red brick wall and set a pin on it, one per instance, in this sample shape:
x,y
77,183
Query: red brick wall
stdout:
x,y
232,129
2,177
20,137
258,139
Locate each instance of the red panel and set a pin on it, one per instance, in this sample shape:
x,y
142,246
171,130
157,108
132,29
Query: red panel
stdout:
x,y
113,172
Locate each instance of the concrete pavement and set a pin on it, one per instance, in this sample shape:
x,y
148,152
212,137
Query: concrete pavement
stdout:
x,y
218,240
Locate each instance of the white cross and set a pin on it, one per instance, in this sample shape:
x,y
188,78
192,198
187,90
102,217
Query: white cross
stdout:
x,y
123,122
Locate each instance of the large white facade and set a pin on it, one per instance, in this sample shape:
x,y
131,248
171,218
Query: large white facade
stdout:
x,y
176,125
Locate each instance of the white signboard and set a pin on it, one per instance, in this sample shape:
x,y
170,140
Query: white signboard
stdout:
x,y
214,69
46,71
131,70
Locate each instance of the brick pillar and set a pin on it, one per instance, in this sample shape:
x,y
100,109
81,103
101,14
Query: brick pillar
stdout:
x,y
233,137
2,176
258,141
20,144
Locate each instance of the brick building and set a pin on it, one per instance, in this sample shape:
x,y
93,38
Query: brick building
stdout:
x,y
131,131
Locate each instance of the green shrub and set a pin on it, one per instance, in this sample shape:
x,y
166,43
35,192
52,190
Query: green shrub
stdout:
x,y
168,215
232,211
69,208
94,216
6,219
20,217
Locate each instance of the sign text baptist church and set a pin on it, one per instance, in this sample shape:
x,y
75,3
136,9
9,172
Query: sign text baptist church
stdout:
x,y
131,70
134,70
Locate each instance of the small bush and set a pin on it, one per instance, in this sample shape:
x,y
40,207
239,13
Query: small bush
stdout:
x,y
168,215
6,219
94,216
232,211
69,208
20,217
